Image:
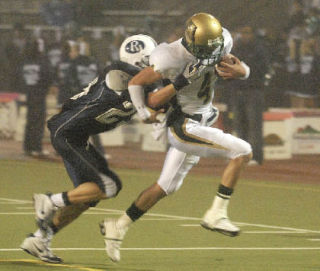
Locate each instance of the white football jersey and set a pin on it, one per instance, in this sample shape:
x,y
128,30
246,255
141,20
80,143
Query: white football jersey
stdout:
x,y
173,59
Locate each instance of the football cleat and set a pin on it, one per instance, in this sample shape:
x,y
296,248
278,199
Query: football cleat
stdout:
x,y
113,236
45,209
39,247
220,224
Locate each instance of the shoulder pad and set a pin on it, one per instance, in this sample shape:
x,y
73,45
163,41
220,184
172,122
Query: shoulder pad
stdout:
x,y
122,66
117,80
164,60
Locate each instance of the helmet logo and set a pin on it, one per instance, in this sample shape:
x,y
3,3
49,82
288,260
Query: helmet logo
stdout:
x,y
215,42
210,43
134,46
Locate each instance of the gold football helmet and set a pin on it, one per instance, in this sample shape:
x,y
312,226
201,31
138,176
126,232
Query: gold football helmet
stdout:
x,y
203,37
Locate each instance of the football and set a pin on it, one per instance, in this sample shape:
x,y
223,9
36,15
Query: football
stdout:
x,y
228,59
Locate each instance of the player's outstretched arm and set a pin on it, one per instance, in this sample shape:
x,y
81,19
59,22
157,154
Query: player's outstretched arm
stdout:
x,y
157,99
161,97
165,94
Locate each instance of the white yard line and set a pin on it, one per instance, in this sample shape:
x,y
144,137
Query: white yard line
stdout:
x,y
17,213
115,211
107,210
275,227
152,214
224,248
289,229
15,201
11,203
171,248
275,232
256,232
90,213
32,213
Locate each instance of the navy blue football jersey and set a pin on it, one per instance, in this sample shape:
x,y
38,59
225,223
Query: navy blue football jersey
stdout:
x,y
103,105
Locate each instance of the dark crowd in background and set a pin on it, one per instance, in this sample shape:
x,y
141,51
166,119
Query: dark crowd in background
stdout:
x,y
285,63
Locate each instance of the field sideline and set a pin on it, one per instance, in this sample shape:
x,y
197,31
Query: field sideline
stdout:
x,y
279,223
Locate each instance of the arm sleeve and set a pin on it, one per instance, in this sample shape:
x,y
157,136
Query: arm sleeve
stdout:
x,y
137,97
247,68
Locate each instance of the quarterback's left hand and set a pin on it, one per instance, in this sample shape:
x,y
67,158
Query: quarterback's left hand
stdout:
x,y
230,67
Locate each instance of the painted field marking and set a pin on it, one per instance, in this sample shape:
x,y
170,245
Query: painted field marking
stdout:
x,y
14,201
32,213
275,232
10,203
91,213
276,227
173,217
294,230
257,232
153,214
169,248
17,213
37,262
238,223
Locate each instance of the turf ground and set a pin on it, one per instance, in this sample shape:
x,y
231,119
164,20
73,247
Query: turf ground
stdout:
x,y
280,225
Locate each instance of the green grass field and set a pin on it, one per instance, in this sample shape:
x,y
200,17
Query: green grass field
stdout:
x,y
280,225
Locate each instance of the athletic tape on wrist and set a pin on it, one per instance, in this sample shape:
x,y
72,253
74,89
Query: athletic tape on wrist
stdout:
x,y
247,68
137,97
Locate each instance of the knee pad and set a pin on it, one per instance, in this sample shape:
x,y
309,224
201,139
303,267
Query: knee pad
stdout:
x,y
247,150
243,148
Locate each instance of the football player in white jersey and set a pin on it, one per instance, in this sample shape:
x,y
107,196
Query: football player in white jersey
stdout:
x,y
193,64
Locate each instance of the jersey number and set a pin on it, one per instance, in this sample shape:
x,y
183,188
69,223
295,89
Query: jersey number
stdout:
x,y
114,115
205,89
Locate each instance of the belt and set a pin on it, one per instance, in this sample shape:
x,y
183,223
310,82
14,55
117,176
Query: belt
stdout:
x,y
177,113
196,117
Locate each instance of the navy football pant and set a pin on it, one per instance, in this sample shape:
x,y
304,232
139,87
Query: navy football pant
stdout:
x,y
84,163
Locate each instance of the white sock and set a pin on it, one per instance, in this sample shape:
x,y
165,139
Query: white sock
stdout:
x,y
49,234
220,206
124,221
38,233
57,200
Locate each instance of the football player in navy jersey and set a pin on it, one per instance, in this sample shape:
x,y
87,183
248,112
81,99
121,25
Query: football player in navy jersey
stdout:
x,y
102,106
